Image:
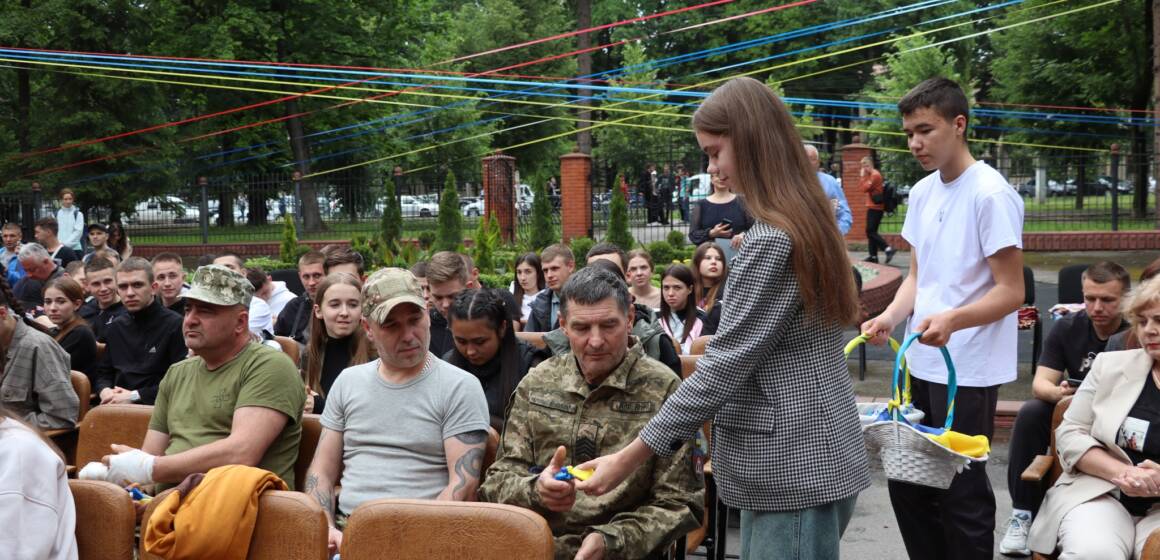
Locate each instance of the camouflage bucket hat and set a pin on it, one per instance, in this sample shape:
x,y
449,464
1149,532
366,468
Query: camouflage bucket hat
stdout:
x,y
387,288
218,285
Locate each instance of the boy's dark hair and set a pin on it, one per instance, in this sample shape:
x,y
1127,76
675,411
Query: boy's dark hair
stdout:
x,y
1106,271
48,223
941,94
605,248
168,257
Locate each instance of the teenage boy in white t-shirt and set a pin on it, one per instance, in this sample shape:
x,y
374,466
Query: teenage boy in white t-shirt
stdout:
x,y
964,225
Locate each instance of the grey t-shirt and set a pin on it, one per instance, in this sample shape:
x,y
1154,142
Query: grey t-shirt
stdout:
x,y
392,435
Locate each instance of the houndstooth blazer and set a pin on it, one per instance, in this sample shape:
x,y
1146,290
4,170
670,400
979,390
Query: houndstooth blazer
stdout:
x,y
786,434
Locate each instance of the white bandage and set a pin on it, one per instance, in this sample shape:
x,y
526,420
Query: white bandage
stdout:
x,y
94,471
131,466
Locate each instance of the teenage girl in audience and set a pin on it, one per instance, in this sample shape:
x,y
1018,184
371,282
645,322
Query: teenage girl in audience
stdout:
x,y
711,271
36,505
336,338
680,317
62,298
119,240
528,283
486,346
639,274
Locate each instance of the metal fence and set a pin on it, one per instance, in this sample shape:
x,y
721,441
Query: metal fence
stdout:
x,y
1095,191
1089,192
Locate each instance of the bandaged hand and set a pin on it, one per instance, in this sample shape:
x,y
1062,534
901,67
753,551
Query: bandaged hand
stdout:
x,y
128,467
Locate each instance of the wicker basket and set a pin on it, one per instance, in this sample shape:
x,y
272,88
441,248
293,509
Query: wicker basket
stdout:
x,y
907,454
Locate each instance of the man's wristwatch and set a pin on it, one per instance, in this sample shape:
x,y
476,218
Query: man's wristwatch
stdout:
x,y
135,397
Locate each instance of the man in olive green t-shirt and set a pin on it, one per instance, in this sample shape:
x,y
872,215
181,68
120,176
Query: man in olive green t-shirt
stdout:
x,y
235,402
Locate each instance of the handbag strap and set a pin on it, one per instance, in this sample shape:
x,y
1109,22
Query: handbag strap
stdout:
x,y
952,383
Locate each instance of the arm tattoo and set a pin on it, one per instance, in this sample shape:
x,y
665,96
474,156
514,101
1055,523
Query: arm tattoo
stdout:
x,y
472,438
467,469
324,498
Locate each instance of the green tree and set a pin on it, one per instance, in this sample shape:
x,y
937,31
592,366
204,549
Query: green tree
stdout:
x,y
288,250
619,233
543,231
450,235
391,226
486,242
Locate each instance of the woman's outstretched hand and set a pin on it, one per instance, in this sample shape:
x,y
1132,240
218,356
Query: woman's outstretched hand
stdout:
x,y
610,471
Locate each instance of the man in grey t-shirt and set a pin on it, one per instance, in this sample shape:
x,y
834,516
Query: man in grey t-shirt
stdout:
x,y
407,425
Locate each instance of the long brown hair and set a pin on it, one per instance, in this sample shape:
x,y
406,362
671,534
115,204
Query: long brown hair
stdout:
x,y
708,296
689,314
76,294
780,188
361,351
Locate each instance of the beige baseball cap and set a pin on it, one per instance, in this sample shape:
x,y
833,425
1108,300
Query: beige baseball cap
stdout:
x,y
387,288
218,285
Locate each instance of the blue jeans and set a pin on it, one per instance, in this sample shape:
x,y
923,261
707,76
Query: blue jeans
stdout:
x,y
808,533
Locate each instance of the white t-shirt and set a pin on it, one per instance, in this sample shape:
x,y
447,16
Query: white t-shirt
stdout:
x,y
953,228
36,505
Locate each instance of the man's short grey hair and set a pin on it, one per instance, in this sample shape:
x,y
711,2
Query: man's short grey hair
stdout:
x,y
33,252
591,286
810,148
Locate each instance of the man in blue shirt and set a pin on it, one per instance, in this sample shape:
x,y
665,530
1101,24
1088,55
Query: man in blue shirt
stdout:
x,y
833,192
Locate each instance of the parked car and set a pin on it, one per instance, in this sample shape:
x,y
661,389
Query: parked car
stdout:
x,y
700,186
163,210
423,206
473,208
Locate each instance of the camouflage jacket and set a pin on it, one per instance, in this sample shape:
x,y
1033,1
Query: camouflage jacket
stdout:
x,y
553,406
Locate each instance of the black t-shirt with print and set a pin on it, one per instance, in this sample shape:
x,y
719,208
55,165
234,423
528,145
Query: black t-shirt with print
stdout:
x,y
1072,345
1137,438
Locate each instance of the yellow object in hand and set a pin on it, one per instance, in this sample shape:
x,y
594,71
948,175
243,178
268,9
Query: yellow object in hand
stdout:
x,y
579,474
971,446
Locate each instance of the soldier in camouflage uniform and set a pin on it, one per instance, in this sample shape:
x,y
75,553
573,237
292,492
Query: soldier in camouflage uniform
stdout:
x,y
584,404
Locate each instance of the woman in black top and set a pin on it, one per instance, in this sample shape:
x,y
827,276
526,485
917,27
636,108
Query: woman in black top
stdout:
x,y
720,215
486,346
336,339
62,298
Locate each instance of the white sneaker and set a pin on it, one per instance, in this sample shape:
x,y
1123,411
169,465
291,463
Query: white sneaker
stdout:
x,y
1015,540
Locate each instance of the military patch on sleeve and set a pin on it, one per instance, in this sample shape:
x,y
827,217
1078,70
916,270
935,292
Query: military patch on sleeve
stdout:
x,y
633,407
547,400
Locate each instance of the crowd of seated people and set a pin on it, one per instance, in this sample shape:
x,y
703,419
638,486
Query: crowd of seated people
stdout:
x,y
439,361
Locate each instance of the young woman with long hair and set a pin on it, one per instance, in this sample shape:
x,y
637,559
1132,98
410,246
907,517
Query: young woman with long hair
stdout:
x,y
787,444
639,276
337,340
680,317
36,505
119,240
62,298
528,284
711,271
486,346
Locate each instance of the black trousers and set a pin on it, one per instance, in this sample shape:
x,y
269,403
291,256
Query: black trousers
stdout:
x,y
959,522
1031,436
873,221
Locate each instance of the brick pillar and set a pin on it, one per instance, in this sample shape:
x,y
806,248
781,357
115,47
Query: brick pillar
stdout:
x,y
852,155
575,195
499,193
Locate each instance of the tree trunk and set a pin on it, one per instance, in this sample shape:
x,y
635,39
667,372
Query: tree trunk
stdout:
x,y
584,67
300,149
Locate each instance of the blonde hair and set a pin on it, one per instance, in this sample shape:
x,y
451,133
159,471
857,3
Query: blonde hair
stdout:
x,y
1140,299
780,188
